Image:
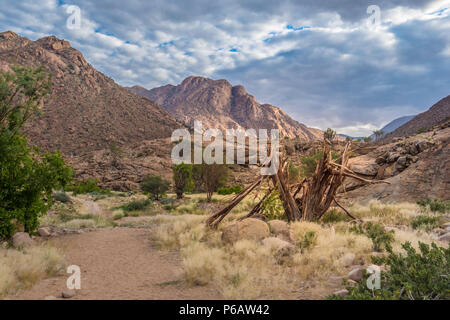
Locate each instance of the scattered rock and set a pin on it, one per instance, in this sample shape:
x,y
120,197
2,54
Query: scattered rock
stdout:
x,y
21,239
282,248
356,274
230,233
5,245
44,232
401,162
278,226
392,157
445,237
50,298
378,254
439,231
68,293
252,229
347,260
341,293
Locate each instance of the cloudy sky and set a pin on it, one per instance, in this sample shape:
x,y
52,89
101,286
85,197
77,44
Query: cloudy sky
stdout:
x,y
326,63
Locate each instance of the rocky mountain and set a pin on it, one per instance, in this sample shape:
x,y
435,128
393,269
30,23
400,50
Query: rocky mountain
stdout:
x,y
394,124
86,110
438,113
220,105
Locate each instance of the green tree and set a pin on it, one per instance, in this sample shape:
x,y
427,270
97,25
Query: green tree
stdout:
x,y
329,134
27,176
155,186
182,179
367,139
378,134
210,177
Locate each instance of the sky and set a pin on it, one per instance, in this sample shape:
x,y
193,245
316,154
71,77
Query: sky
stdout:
x,y
349,65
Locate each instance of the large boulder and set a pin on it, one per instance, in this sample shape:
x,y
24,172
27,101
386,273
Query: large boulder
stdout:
x,y
445,237
281,247
44,232
253,229
278,226
21,239
356,274
347,260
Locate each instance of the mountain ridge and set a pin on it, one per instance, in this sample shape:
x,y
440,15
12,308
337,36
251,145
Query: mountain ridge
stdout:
x,y
218,104
87,110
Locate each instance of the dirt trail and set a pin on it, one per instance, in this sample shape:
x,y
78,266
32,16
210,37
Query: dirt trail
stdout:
x,y
119,263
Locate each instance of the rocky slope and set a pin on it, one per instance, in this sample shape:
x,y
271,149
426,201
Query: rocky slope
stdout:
x,y
438,113
416,167
220,105
87,110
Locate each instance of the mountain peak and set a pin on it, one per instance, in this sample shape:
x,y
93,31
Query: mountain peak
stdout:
x,y
9,35
53,43
220,105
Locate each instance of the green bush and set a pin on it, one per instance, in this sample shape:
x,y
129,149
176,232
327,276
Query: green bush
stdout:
x,y
435,205
229,190
89,186
381,239
272,207
27,176
425,222
61,197
334,215
136,205
309,239
423,275
155,186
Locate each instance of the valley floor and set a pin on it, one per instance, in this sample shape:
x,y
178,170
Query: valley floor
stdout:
x,y
119,263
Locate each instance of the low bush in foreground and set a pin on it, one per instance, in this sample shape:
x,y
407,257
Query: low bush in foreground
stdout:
x,y
423,275
425,222
136,205
376,232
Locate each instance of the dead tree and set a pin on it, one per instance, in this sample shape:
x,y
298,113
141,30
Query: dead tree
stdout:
x,y
307,200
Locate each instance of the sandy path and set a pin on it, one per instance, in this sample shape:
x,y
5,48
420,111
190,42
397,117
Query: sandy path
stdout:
x,y
120,263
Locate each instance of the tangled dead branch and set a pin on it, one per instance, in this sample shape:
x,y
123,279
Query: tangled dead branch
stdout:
x,y
307,200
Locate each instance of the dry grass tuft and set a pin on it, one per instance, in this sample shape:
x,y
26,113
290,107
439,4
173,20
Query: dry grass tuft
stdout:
x,y
22,269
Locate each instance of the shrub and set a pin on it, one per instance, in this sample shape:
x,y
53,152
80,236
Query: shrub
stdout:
x,y
272,207
61,197
333,215
423,275
89,186
135,205
309,239
155,186
435,205
377,233
229,190
182,179
425,222
329,134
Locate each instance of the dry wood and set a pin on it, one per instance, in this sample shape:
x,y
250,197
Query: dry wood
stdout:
x,y
307,200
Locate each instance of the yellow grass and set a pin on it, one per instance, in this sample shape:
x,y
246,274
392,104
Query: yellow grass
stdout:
x,y
22,269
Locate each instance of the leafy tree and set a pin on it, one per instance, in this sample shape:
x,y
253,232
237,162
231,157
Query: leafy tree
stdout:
x,y
329,134
210,177
367,139
27,176
378,134
155,186
182,179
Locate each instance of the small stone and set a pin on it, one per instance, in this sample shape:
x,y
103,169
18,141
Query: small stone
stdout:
x,y
21,239
69,293
5,245
356,274
44,232
341,293
445,237
50,298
